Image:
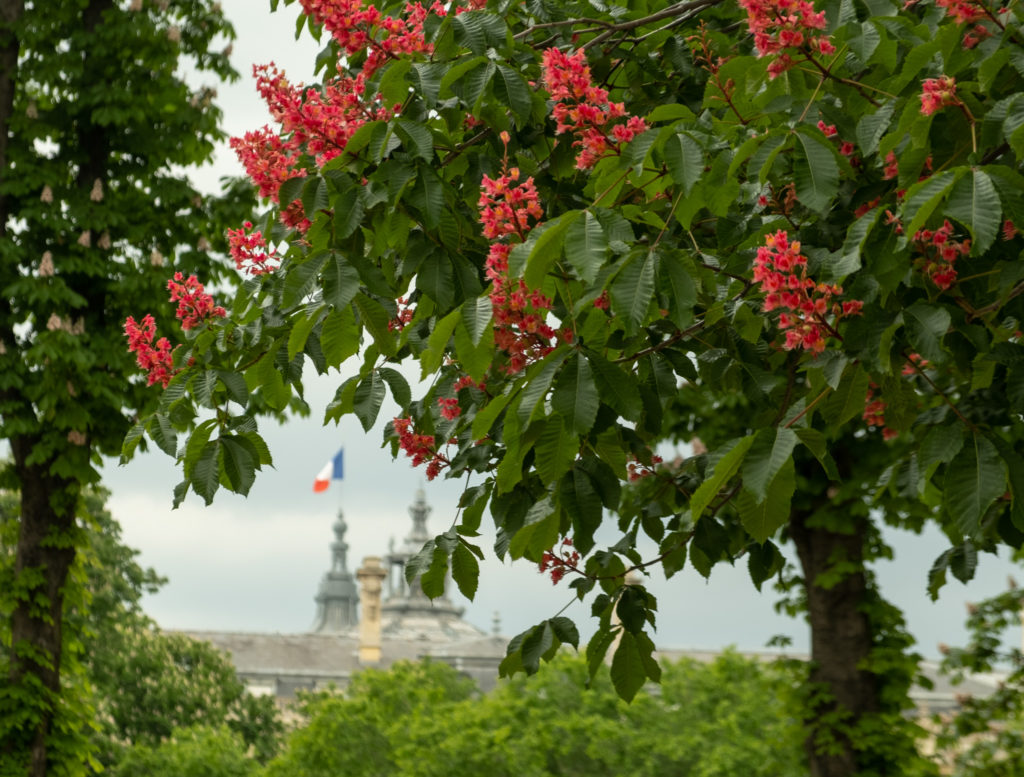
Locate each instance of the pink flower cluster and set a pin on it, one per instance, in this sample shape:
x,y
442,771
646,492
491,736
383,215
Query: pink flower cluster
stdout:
x,y
266,159
506,209
421,448
585,110
195,306
519,312
557,563
962,11
874,413
940,252
403,316
784,27
358,28
635,470
249,250
781,270
157,361
937,93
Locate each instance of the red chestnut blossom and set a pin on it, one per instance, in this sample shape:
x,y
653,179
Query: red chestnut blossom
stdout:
x,y
806,306
635,470
782,28
940,252
914,359
266,159
157,361
584,109
195,306
467,382
938,93
250,251
404,316
874,413
421,448
892,167
1009,230
962,11
557,563
449,406
360,29
506,209
829,130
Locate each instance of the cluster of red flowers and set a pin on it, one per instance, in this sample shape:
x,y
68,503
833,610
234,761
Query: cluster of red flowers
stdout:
x,y
783,27
519,312
940,252
781,270
449,406
250,251
467,382
584,109
937,93
874,413
892,167
846,147
962,11
403,317
636,470
421,448
195,306
359,28
558,563
506,209
157,361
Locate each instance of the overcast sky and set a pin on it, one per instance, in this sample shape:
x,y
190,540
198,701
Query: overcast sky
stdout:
x,y
254,564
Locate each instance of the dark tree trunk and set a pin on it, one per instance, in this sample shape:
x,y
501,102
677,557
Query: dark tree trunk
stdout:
x,y
46,544
841,640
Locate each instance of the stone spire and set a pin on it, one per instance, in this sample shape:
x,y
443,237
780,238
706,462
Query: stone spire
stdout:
x,y
337,599
404,598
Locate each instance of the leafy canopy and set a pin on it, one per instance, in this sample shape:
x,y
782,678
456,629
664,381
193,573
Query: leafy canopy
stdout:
x,y
784,233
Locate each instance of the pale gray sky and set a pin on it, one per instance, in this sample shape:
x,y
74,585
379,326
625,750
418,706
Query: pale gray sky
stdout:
x,y
254,564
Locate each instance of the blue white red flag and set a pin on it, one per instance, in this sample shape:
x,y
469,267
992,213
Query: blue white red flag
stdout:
x,y
334,469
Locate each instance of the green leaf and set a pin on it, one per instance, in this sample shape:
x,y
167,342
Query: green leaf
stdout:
x,y
487,415
762,518
536,645
555,451
437,344
235,385
416,138
847,401
586,246
348,207
575,395
975,203
341,282
375,318
676,280
206,474
628,672
926,325
399,386
339,336
816,175
368,398
238,463
617,387
923,198
547,248
301,328
974,480
433,579
685,160
764,560
770,451
427,195
538,381
476,359
727,466
816,444
476,316
633,289
314,196
511,89
872,127
302,277
196,444
465,570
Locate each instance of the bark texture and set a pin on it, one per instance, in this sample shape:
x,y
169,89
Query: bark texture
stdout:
x,y
841,641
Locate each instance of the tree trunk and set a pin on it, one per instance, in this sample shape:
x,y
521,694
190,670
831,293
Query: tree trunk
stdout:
x,y
841,640
46,550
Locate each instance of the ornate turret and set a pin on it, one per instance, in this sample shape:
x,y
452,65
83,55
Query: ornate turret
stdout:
x,y
408,612
337,599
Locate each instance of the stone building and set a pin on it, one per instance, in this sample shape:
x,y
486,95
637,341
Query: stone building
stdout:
x,y
371,617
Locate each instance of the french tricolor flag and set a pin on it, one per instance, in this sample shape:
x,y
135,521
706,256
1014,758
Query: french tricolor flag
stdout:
x,y
334,469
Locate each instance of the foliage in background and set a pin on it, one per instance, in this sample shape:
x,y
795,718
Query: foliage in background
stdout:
x,y
97,127
785,234
138,684
725,718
